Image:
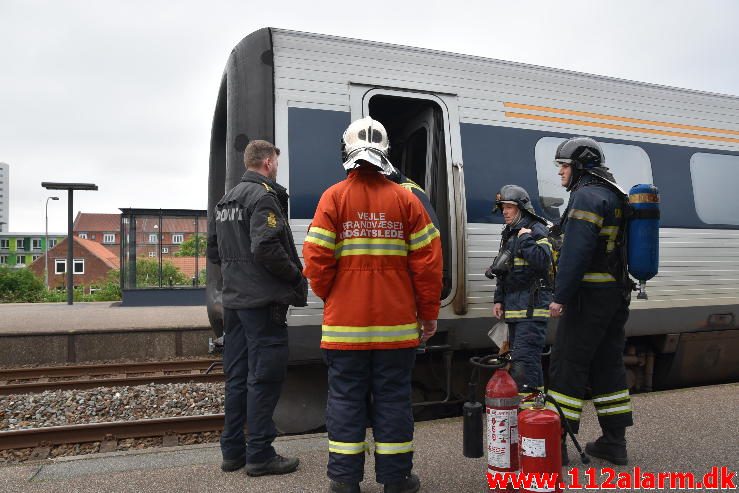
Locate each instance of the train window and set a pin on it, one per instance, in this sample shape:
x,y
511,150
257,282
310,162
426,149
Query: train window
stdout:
x,y
715,178
629,164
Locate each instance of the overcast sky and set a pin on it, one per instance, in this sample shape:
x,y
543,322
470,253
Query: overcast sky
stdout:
x,y
122,93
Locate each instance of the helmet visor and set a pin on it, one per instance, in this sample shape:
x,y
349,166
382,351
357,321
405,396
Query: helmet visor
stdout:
x,y
562,162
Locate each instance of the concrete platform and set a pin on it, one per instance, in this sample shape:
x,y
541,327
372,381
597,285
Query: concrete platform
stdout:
x,y
688,430
53,333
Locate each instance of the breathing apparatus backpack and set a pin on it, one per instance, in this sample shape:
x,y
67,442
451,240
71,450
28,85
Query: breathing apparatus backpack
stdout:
x,y
637,242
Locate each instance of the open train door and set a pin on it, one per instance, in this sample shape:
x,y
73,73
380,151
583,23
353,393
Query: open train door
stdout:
x,y
423,130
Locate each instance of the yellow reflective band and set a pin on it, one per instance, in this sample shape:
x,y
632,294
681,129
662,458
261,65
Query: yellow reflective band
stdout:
x,y
426,229
598,277
371,246
618,409
377,333
321,237
586,216
371,241
570,414
621,394
565,399
319,241
385,448
321,231
538,312
544,241
609,230
520,261
410,184
423,237
348,448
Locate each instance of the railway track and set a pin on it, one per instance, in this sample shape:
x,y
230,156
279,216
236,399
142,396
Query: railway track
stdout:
x,y
108,434
39,379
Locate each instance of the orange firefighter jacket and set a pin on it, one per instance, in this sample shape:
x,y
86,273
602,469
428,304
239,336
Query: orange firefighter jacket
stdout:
x,y
374,257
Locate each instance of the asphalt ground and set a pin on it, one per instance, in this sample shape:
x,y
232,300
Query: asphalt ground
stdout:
x,y
688,430
100,316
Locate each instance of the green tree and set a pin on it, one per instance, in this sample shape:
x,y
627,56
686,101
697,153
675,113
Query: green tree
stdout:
x,y
193,246
147,274
19,286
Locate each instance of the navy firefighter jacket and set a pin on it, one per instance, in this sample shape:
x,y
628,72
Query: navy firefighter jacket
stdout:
x,y
590,256
526,290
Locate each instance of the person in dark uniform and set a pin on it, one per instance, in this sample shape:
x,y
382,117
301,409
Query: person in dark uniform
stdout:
x,y
398,177
249,237
523,289
592,294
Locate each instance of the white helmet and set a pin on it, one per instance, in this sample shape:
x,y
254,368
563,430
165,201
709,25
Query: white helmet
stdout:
x,y
366,140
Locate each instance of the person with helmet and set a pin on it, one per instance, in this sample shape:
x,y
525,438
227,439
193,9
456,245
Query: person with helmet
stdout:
x,y
373,256
523,290
249,237
592,294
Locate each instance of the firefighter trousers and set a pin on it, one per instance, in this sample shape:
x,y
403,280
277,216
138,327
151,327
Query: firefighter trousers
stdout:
x,y
255,357
588,350
527,339
384,375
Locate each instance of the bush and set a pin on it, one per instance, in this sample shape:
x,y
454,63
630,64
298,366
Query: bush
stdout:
x,y
147,274
20,286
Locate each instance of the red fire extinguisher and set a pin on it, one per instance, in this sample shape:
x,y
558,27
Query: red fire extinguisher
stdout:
x,y
541,444
501,412
541,438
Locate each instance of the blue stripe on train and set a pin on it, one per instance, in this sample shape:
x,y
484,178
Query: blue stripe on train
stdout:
x,y
493,157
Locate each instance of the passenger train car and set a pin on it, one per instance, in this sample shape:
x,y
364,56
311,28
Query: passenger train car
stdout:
x,y
463,126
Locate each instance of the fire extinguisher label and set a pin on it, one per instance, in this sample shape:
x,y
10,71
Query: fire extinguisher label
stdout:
x,y
533,447
502,434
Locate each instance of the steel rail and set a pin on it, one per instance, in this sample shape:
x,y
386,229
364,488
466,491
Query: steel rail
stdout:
x,y
121,374
8,374
99,432
36,387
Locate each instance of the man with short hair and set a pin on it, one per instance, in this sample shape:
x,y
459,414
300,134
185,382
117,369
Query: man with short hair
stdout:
x,y
592,294
249,237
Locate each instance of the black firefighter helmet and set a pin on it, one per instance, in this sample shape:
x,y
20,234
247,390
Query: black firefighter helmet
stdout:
x,y
583,155
513,194
580,152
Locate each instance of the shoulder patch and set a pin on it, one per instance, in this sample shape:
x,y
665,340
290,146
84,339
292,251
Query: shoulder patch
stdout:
x,y
271,219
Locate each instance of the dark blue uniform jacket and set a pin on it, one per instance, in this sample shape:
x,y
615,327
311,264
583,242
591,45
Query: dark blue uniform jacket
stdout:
x,y
590,256
525,291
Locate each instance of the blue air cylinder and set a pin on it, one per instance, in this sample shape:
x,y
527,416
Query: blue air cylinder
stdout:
x,y
643,235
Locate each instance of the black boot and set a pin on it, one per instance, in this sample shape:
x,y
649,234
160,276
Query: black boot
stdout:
x,y
276,465
410,484
338,487
611,447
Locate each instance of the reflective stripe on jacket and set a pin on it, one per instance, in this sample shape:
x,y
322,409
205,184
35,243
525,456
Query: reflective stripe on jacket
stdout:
x,y
593,217
374,257
532,262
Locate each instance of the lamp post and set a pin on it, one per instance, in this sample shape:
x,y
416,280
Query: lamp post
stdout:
x,y
70,188
46,242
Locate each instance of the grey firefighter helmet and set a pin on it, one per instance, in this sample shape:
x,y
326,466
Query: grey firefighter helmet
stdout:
x,y
365,140
513,194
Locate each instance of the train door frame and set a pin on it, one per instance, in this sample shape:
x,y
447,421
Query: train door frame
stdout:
x,y
360,96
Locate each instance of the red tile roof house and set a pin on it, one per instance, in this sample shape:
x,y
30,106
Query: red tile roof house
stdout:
x,y
92,262
106,230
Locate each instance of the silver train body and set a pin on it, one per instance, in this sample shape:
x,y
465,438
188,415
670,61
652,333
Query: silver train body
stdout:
x,y
463,126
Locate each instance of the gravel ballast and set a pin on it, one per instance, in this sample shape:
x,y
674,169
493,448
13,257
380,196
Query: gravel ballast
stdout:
x,y
100,405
